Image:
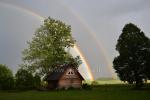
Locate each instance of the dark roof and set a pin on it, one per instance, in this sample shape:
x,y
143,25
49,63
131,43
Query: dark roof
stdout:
x,y
58,72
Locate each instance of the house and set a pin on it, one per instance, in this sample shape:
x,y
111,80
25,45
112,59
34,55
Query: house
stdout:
x,y
64,76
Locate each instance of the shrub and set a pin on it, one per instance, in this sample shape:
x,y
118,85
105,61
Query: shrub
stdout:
x,y
24,80
86,86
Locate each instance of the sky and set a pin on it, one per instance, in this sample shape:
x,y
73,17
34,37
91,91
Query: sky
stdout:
x,y
96,25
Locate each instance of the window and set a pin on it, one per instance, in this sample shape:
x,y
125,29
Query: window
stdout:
x,y
70,72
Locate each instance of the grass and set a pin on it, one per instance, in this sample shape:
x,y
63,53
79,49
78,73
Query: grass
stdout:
x,y
100,92
104,81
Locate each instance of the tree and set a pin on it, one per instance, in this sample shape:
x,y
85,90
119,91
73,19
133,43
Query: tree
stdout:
x,y
6,78
24,79
49,46
133,62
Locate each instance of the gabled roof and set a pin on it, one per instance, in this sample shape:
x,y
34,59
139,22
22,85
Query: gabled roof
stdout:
x,y
58,72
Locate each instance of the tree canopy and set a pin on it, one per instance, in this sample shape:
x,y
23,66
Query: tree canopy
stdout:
x,y
6,77
133,62
49,47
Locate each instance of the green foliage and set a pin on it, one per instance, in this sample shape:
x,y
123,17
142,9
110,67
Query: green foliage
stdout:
x,y
133,63
75,61
44,84
49,47
6,78
86,86
24,80
37,81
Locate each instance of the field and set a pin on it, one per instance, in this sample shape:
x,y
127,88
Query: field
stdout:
x,y
104,81
100,92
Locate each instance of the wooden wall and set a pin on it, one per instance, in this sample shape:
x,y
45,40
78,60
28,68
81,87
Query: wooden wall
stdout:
x,y
70,80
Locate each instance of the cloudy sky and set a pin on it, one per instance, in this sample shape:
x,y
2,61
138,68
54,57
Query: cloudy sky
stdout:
x,y
96,25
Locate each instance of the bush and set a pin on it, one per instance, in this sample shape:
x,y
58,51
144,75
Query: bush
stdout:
x,y
24,80
86,86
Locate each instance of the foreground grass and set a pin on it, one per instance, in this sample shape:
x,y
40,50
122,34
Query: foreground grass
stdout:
x,y
101,92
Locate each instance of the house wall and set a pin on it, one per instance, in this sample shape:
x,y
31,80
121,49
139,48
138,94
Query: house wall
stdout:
x,y
70,80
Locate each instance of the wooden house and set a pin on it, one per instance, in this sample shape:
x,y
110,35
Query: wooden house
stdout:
x,y
64,76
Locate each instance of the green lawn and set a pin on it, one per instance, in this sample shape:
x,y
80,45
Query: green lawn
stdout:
x,y
101,92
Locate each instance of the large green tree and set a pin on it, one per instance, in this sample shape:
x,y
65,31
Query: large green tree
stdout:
x,y
133,62
6,78
49,47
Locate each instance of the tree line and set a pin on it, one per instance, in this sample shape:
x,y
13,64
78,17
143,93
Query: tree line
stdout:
x,y
23,79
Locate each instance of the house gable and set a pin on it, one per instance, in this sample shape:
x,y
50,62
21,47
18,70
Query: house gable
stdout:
x,y
70,73
70,78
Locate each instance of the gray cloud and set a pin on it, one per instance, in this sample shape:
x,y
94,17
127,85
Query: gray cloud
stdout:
x,y
104,17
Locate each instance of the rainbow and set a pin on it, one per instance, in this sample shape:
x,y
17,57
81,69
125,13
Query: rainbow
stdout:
x,y
92,33
85,62
41,18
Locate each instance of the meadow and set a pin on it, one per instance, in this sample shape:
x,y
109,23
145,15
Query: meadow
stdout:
x,y
99,92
